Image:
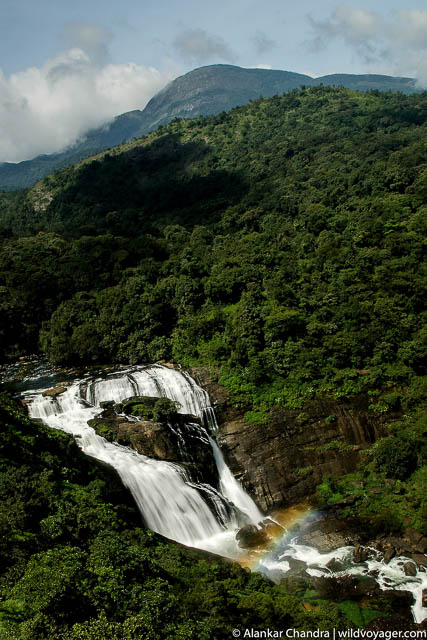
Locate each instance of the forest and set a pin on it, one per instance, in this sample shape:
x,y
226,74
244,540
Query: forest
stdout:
x,y
282,241
282,245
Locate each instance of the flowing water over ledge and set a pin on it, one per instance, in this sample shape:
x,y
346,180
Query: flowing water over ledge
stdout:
x,y
195,513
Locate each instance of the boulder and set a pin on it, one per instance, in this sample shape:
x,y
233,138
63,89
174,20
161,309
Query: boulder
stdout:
x,y
360,554
400,601
178,442
389,554
272,528
249,537
419,558
296,566
335,565
391,623
410,569
346,587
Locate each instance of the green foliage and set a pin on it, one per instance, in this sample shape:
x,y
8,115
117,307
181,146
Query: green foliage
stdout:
x,y
157,409
282,241
396,457
164,410
388,490
329,491
303,472
361,616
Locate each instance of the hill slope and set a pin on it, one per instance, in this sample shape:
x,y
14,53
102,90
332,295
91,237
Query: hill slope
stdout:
x,y
283,238
204,91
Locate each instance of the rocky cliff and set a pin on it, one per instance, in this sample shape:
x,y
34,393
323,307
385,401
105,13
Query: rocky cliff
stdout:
x,y
280,463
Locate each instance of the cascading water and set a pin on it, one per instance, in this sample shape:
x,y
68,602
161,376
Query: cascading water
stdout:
x,y
172,504
169,501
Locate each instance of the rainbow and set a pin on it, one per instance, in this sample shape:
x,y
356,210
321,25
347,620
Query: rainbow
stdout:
x,y
280,528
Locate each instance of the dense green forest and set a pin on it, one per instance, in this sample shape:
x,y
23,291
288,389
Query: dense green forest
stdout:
x,y
77,564
283,241
283,245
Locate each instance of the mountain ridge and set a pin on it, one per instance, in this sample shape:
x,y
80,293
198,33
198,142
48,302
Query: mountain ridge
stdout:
x,y
203,91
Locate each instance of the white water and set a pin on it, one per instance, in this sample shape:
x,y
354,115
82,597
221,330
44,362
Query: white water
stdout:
x,y
388,576
232,490
169,501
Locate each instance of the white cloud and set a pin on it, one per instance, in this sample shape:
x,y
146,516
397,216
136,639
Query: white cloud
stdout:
x,y
262,66
199,46
45,109
396,44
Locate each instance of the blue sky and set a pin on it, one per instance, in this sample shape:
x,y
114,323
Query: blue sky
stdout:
x,y
68,66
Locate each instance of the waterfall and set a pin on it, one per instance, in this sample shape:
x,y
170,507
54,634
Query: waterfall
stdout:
x,y
196,514
232,490
170,502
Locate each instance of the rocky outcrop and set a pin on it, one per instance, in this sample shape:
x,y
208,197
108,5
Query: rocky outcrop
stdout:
x,y
178,441
328,533
280,463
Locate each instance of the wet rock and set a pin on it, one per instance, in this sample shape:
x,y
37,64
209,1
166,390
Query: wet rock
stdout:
x,y
359,554
410,569
178,442
327,535
296,566
421,547
414,537
167,364
249,537
272,528
365,587
346,587
424,597
392,623
400,601
335,565
389,554
56,391
419,559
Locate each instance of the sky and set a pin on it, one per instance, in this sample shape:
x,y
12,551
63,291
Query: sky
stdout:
x,y
67,67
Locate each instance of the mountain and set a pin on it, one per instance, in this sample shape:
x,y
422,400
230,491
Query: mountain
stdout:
x,y
203,91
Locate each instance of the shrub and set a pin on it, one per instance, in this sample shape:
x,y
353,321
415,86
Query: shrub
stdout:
x,y
395,457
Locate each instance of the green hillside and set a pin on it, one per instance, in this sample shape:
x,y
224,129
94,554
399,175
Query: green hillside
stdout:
x,y
282,240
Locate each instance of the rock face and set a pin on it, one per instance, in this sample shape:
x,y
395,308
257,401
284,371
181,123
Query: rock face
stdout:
x,y
178,441
281,463
327,534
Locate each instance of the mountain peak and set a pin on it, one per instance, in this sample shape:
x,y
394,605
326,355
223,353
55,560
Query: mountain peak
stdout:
x,y
203,91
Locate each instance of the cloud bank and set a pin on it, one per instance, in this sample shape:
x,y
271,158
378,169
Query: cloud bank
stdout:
x,y
45,109
397,44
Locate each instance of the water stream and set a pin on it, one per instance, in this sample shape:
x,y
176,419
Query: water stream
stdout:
x,y
174,504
